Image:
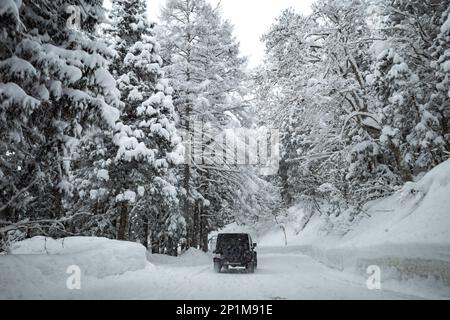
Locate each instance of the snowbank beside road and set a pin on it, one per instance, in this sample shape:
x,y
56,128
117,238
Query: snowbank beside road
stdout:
x,y
419,213
190,258
37,267
406,234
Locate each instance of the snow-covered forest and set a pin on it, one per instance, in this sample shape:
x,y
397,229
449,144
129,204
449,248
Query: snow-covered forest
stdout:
x,y
92,118
361,92
98,108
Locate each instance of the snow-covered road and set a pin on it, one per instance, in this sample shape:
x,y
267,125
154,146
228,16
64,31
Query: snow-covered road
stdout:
x,y
279,276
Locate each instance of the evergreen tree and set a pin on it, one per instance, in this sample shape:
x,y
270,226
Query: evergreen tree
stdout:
x,y
203,62
55,91
440,99
132,175
411,27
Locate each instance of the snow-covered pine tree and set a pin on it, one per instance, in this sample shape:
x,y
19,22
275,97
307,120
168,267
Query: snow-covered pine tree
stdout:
x,y
411,27
396,87
202,59
55,91
203,62
133,175
440,99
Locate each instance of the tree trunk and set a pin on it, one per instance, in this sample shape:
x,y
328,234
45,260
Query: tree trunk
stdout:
x,y
445,129
204,229
154,243
187,206
187,178
146,232
404,171
187,244
58,210
172,247
195,227
123,221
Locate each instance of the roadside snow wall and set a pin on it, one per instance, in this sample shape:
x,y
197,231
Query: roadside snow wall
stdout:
x,y
407,234
38,267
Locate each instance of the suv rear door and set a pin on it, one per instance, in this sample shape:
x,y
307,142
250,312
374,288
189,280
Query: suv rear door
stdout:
x,y
233,246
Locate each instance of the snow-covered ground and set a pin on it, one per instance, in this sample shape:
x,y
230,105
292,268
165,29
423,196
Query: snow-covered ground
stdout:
x,y
118,270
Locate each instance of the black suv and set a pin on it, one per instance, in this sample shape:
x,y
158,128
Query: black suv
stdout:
x,y
235,250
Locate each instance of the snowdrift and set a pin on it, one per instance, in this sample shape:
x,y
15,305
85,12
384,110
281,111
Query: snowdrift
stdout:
x,y
37,267
191,258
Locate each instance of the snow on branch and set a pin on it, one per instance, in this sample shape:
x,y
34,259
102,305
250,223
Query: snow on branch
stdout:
x,y
376,125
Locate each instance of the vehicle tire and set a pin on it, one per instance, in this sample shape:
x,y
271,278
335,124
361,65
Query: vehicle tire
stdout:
x,y
251,267
217,267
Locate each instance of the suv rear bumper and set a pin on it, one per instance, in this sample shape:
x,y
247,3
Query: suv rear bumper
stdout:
x,y
226,262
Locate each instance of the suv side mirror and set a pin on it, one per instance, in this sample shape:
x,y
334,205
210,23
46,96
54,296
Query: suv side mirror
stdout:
x,y
254,245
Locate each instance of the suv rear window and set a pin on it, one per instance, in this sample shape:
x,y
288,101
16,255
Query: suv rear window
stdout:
x,y
232,239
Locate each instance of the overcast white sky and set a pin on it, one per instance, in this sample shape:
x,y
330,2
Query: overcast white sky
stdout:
x,y
251,18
